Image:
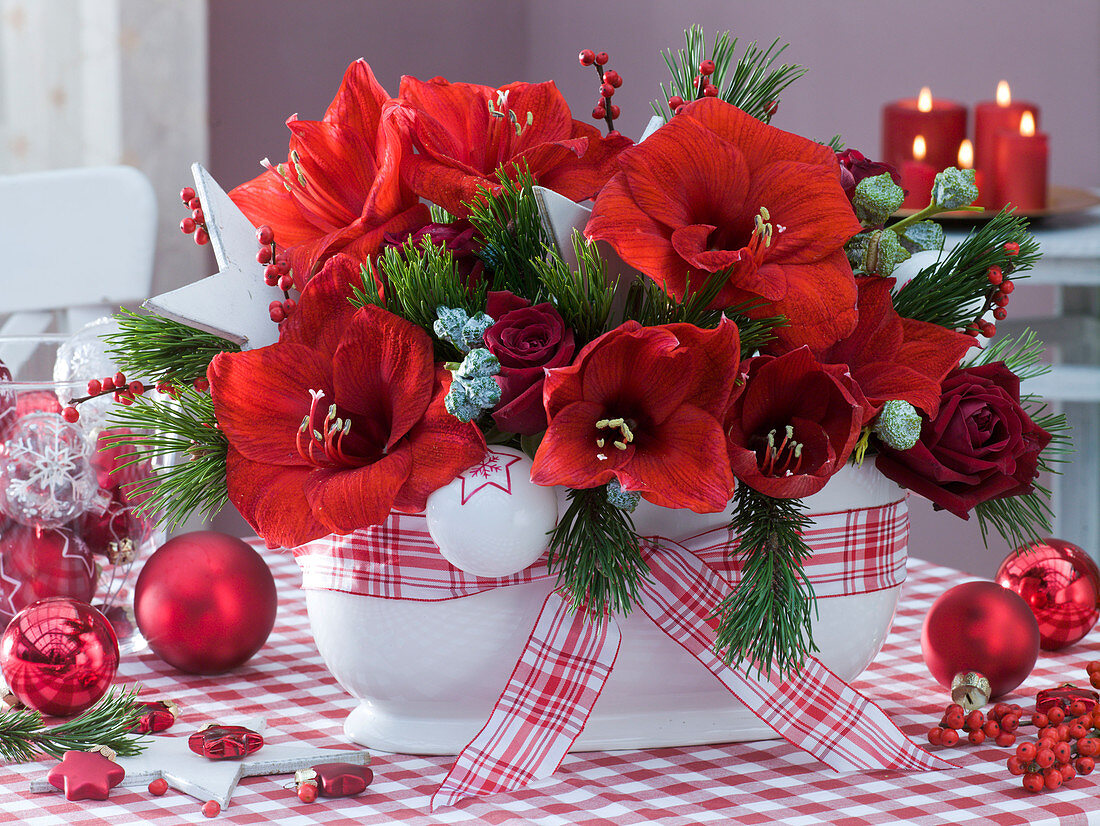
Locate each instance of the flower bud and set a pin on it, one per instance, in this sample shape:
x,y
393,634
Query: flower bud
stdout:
x,y
898,425
921,236
954,188
876,199
624,500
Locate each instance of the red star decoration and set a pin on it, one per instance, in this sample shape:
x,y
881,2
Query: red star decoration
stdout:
x,y
485,473
85,775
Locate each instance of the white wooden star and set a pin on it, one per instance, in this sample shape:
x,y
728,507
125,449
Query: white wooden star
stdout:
x,y
233,303
205,779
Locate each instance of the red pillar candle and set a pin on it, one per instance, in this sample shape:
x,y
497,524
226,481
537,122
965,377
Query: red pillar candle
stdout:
x,y
993,116
917,176
941,122
1020,168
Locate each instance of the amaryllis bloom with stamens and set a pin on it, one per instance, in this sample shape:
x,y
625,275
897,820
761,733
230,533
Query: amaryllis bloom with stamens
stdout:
x,y
464,133
339,422
340,189
644,405
717,191
891,357
793,423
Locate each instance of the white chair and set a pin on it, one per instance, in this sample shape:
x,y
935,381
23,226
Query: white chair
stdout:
x,y
76,244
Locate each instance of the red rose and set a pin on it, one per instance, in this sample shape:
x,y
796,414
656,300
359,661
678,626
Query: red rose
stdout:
x,y
982,445
526,340
794,423
854,167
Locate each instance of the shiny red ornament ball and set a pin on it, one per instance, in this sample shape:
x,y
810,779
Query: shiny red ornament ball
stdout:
x,y
205,602
1060,584
59,656
980,626
39,563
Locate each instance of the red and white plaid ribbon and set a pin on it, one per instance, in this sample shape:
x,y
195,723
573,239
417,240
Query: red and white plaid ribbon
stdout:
x,y
567,660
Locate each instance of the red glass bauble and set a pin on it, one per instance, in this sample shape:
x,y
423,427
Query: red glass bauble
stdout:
x,y
1061,585
59,656
205,602
41,563
980,626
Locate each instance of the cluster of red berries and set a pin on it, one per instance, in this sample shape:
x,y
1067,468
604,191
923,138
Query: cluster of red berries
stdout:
x,y
610,80
1000,289
195,223
1066,747
703,87
999,726
123,391
277,273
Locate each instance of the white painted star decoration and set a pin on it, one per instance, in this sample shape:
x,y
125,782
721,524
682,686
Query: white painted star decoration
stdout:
x,y
169,757
233,303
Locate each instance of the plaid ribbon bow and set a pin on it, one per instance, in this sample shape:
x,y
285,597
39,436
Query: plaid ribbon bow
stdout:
x,y
563,667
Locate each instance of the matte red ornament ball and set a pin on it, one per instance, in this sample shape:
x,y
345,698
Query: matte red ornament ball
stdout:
x,y
205,602
1061,585
59,656
980,626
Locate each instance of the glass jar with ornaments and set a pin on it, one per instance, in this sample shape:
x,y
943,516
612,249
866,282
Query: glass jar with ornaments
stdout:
x,y
71,523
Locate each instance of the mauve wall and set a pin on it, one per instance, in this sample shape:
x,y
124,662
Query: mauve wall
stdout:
x,y
273,58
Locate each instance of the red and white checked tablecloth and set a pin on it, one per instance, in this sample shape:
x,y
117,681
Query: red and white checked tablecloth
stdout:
x,y
745,783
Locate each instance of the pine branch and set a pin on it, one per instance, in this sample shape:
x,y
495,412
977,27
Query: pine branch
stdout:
x,y
766,619
512,230
953,291
596,554
161,349
181,441
1021,354
583,298
753,85
108,723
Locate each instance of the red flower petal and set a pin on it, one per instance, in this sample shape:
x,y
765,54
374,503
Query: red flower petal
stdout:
x,y
348,499
272,500
568,454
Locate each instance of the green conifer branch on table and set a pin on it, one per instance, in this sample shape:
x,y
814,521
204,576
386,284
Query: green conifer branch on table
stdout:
x,y
109,724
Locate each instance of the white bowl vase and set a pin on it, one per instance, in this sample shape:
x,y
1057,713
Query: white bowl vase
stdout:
x,y
428,673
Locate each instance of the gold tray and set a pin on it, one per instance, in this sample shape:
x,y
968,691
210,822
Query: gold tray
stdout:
x,y
1062,200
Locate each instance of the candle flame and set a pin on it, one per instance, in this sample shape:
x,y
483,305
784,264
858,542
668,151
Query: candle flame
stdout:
x,y
920,148
924,99
1027,124
1004,93
966,154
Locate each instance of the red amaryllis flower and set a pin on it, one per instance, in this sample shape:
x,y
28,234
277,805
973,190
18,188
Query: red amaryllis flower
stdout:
x,y
793,424
716,190
340,189
644,405
339,422
464,133
891,357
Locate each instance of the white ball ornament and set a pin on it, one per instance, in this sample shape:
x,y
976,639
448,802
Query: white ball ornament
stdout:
x,y
492,520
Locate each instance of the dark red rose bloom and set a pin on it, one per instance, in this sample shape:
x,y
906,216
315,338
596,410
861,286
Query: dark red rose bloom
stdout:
x,y
793,424
527,341
982,445
891,357
854,167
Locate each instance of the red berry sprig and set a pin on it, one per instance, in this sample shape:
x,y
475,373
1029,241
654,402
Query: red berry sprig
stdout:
x,y
703,87
610,80
277,273
123,391
1000,288
1000,725
195,223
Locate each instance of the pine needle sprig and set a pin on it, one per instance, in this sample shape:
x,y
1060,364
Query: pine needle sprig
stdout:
x,y
648,304
953,291
765,620
181,441
512,233
583,297
752,85
597,556
158,348
108,723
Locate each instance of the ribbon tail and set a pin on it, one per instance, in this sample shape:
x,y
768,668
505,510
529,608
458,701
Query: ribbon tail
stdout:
x,y
814,710
543,708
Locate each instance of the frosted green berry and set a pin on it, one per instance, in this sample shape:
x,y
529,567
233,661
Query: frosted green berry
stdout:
x,y
921,236
954,188
898,425
624,500
876,199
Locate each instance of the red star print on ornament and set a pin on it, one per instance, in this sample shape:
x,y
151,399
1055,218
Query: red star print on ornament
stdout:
x,y
85,775
494,471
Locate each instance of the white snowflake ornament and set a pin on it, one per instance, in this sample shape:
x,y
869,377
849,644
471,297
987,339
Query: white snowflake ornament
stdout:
x,y
46,473
492,520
